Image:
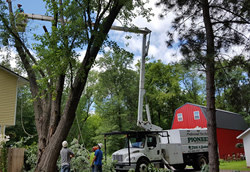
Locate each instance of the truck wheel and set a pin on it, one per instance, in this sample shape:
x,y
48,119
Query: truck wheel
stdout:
x,y
179,166
142,166
200,161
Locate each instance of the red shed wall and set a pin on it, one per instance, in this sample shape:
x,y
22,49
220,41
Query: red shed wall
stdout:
x,y
226,138
226,142
187,111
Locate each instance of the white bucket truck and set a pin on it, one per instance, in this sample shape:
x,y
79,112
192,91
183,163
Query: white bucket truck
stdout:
x,y
173,148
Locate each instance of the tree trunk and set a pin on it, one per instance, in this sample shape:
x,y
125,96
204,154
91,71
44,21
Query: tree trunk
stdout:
x,y
210,72
51,127
49,153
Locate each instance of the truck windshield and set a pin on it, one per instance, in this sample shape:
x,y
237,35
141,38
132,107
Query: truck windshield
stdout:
x,y
136,142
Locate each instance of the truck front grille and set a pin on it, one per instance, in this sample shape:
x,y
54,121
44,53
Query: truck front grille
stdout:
x,y
117,158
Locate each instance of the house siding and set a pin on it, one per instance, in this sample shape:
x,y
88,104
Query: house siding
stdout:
x,y
246,142
188,118
8,93
247,150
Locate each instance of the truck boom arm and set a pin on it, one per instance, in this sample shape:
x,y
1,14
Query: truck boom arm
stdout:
x,y
147,125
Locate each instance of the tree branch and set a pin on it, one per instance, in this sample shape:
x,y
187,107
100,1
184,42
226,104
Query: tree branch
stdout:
x,y
16,37
227,10
230,21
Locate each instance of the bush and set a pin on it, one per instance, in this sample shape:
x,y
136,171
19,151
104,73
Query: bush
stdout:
x,y
30,154
81,160
108,165
205,168
3,158
3,152
79,163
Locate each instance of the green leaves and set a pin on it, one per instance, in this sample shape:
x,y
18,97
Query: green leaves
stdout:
x,y
117,83
162,85
232,85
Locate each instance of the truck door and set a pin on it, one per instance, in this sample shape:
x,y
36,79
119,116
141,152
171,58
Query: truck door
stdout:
x,y
152,148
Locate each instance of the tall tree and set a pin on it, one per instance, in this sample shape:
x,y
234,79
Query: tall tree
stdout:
x,y
116,96
55,62
232,86
204,29
83,112
194,84
163,91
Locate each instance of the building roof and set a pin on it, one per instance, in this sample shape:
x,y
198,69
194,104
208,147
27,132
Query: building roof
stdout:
x,y
21,80
226,119
242,135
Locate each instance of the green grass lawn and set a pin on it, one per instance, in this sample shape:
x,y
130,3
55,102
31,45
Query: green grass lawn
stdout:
x,y
234,165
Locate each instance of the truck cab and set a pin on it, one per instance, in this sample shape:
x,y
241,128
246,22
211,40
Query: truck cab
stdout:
x,y
140,149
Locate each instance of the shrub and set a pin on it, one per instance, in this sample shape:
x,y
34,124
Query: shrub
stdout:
x,y
205,168
30,154
80,162
4,152
108,165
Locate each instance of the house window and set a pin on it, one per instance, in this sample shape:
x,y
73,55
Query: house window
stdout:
x,y
180,117
196,115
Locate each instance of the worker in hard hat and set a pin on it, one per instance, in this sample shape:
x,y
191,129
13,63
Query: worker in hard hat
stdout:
x,y
66,155
97,161
21,20
92,155
20,10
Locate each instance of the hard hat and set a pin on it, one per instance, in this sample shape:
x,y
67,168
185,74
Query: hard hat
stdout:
x,y
100,145
95,148
19,5
65,144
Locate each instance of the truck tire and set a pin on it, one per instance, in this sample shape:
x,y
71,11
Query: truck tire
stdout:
x,y
200,161
179,166
142,165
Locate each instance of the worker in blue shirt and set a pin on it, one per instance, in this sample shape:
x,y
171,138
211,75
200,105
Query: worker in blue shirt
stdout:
x,y
20,10
21,20
97,161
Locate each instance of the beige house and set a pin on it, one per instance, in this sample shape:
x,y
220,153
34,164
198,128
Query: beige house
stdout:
x,y
9,83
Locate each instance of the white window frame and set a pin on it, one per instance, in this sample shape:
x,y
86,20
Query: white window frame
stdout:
x,y
196,115
179,117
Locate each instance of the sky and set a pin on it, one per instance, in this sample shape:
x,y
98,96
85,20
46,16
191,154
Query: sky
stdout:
x,y
159,28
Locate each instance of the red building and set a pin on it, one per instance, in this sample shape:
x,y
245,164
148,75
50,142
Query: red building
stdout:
x,y
229,126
